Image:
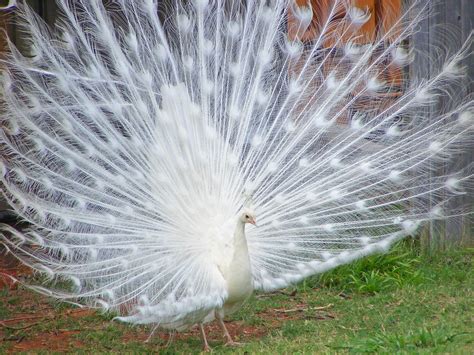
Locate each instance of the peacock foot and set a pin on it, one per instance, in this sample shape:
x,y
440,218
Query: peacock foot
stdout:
x,y
207,349
233,344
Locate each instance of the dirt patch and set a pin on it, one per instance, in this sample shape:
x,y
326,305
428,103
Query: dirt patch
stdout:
x,y
23,330
10,269
271,319
36,323
238,331
53,341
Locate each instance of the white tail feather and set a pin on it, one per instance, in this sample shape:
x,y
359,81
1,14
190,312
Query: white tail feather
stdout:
x,y
131,146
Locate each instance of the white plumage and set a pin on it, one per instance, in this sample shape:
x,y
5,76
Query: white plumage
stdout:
x,y
133,143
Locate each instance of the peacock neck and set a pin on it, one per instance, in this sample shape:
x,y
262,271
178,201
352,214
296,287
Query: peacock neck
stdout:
x,y
238,274
240,242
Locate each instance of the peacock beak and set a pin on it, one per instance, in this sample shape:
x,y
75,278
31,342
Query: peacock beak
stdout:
x,y
253,221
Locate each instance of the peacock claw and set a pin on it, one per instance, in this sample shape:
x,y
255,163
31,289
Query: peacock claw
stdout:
x,y
207,349
233,344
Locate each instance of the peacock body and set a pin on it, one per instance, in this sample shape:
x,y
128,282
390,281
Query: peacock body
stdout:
x,y
137,147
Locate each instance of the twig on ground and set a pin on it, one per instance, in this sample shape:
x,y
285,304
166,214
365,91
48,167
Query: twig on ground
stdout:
x,y
13,338
322,316
24,318
347,328
302,309
19,328
66,313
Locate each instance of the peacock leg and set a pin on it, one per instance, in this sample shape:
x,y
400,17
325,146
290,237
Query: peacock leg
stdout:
x,y
204,340
151,334
170,338
229,341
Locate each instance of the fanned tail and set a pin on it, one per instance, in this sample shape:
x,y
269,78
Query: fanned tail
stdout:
x,y
130,143
105,154
353,162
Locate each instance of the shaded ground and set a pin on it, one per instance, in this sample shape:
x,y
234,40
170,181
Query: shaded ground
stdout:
x,y
425,307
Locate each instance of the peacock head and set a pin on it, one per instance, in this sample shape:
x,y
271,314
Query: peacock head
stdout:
x,y
248,216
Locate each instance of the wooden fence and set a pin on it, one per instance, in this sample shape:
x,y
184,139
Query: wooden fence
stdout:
x,y
449,26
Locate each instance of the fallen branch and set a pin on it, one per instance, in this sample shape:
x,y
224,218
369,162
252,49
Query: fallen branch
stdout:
x,y
18,328
24,318
323,317
302,309
13,338
67,313
351,329
343,295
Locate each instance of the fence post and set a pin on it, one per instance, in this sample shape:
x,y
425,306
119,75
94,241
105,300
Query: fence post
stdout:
x,y
460,14
454,16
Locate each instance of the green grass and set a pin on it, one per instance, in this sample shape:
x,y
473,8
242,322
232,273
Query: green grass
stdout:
x,y
376,273
401,302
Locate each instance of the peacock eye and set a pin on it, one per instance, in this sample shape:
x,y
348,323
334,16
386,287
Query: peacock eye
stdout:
x,y
247,216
